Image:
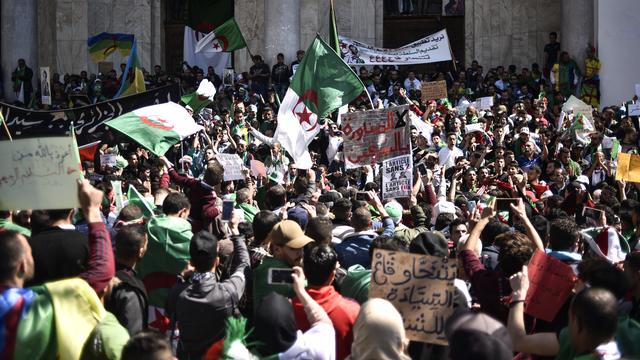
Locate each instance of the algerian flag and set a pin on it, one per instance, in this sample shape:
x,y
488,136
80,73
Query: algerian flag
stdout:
x,y
167,255
322,83
157,127
581,127
226,37
138,200
201,97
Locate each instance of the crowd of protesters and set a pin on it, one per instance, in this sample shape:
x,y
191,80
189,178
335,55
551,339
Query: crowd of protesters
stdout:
x,y
323,224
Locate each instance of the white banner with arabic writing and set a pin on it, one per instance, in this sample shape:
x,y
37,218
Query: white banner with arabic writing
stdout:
x,y
432,48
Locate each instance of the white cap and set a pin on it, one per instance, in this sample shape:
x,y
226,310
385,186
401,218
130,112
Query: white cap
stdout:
x,y
583,179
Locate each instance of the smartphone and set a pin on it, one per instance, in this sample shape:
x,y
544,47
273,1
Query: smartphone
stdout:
x,y
280,276
503,204
362,196
592,213
227,209
422,169
471,205
302,172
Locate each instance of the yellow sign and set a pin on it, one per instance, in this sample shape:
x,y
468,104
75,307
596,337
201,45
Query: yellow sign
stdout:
x,y
628,167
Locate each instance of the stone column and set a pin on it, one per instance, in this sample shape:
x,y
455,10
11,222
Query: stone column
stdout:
x,y
281,30
19,39
577,28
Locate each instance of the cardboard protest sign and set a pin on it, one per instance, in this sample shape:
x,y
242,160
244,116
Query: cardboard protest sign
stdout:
x,y
550,284
232,164
375,135
397,177
258,168
578,107
39,173
628,167
421,289
434,90
633,109
484,103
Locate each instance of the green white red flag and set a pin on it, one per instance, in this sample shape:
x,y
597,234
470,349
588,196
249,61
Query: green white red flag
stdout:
x,y
226,37
200,98
322,83
157,127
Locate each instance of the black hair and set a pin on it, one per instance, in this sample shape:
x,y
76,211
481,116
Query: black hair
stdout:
x,y
319,263
596,312
129,239
263,223
58,214
391,243
598,272
319,229
174,202
146,345
11,253
493,228
275,197
515,251
203,251
563,234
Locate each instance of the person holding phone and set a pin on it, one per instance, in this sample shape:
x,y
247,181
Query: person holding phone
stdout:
x,y
287,243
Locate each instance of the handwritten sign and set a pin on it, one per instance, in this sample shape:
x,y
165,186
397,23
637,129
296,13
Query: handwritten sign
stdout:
x,y
434,90
550,284
232,164
397,177
633,109
39,173
108,160
628,167
421,289
485,103
375,135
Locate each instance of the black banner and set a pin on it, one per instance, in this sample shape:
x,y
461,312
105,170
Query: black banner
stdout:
x,y
87,120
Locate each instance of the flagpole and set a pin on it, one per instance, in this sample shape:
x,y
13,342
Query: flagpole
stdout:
x,y
6,128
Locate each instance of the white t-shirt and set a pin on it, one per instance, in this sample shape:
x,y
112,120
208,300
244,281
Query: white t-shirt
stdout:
x,y
318,343
447,158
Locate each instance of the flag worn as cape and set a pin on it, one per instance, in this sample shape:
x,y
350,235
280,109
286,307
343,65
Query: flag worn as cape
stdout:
x,y
200,98
167,255
104,44
321,84
156,127
225,38
133,80
206,15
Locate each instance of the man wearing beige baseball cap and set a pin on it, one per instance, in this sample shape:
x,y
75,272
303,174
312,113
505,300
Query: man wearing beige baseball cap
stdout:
x,y
287,242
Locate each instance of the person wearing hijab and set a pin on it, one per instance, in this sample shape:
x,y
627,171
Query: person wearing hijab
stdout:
x,y
278,335
379,333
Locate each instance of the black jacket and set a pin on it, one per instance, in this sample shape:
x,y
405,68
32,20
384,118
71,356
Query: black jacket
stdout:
x,y
128,301
200,308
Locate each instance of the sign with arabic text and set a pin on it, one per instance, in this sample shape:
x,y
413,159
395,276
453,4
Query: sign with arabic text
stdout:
x,y
432,48
232,165
397,177
550,284
434,90
39,173
375,135
421,289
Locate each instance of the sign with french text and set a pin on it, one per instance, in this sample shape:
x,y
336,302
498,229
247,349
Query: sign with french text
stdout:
x,y
397,177
421,289
375,135
550,284
432,48
39,173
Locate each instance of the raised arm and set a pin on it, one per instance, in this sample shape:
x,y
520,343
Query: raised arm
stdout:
x,y
487,213
101,264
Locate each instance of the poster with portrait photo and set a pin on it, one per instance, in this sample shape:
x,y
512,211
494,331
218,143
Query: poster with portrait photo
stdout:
x,y
45,85
453,7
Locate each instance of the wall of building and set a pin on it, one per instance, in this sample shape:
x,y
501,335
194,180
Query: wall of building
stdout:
x,y
618,31
505,32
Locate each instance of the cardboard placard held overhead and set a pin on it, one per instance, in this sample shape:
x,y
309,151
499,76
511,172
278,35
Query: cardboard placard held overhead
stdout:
x,y
421,289
628,167
375,135
550,284
39,173
232,164
434,90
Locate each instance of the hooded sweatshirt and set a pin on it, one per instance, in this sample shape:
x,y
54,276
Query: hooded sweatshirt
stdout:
x,y
342,312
